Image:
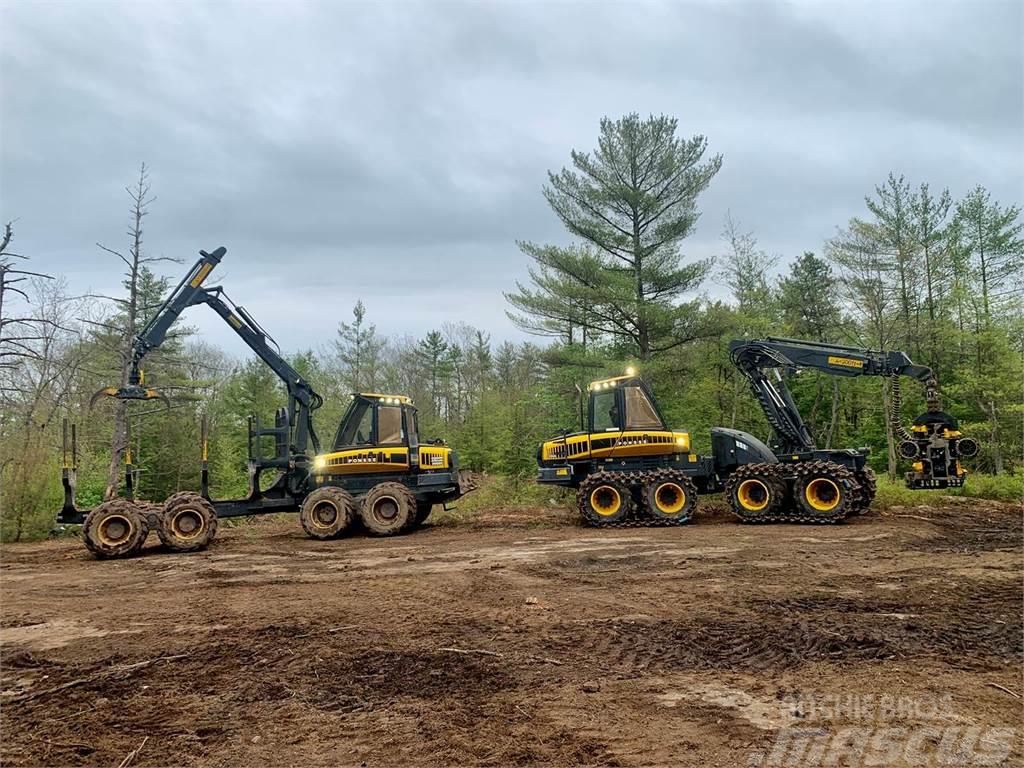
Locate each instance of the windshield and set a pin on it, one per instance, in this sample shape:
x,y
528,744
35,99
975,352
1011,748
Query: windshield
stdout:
x,y
640,413
357,426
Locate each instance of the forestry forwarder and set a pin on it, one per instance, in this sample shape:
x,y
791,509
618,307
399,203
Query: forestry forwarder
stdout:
x,y
630,468
377,470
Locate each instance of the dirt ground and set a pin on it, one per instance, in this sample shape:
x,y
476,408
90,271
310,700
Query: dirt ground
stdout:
x,y
518,639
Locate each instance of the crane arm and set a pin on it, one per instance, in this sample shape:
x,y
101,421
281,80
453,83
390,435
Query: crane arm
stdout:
x,y
302,398
188,292
753,358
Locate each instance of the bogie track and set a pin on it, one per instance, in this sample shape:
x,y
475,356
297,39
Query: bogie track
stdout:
x,y
820,492
636,498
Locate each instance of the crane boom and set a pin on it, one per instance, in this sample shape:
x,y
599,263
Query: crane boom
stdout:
x,y
302,398
753,358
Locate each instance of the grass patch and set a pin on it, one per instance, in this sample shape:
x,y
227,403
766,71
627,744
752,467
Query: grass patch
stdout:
x,y
501,492
1009,488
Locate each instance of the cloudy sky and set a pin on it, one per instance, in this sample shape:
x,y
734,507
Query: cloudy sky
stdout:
x,y
395,151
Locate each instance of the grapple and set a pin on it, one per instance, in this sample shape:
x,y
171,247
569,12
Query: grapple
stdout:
x,y
130,392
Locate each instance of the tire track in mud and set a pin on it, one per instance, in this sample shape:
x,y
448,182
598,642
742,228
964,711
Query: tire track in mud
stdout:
x,y
972,626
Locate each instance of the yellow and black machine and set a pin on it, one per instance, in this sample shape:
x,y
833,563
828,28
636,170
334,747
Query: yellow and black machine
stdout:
x,y
377,470
630,468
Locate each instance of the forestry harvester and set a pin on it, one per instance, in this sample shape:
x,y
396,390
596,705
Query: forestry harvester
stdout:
x,y
377,469
630,468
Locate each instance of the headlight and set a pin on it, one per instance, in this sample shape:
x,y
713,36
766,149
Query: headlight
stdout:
x,y
319,462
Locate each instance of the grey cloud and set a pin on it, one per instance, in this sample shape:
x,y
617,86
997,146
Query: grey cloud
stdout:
x,y
375,150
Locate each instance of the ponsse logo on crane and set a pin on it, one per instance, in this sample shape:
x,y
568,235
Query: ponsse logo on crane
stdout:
x,y
846,362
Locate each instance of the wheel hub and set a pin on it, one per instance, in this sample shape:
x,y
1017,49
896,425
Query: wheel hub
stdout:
x,y
605,500
115,530
753,495
187,523
670,498
822,494
324,515
386,509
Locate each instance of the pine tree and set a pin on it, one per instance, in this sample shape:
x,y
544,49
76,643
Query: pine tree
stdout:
x,y
359,351
632,201
992,236
932,231
746,269
807,296
431,354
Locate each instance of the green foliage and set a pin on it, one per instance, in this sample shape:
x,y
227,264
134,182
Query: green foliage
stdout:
x,y
631,202
359,350
1008,488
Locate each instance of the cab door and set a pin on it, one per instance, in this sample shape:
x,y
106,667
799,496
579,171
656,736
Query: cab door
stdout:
x,y
605,421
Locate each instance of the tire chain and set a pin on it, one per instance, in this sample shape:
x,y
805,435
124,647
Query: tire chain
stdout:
x,y
768,473
793,513
867,487
636,479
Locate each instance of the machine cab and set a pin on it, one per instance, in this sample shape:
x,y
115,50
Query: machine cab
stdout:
x,y
378,433
623,403
623,420
378,421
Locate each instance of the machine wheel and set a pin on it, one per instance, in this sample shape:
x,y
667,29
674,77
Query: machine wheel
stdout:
x,y
388,509
114,529
755,493
604,499
868,486
823,491
188,522
670,497
327,512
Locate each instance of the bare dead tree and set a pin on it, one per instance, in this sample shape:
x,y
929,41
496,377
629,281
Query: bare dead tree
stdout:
x,y
18,330
134,262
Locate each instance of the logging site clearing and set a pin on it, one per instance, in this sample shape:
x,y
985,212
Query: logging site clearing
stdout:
x,y
514,637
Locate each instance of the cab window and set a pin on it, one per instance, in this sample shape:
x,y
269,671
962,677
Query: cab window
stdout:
x,y
389,424
413,420
358,428
640,413
606,412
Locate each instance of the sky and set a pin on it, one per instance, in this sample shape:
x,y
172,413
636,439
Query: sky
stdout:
x,y
395,151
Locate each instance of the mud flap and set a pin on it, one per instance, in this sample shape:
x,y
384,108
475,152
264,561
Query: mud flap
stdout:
x,y
467,481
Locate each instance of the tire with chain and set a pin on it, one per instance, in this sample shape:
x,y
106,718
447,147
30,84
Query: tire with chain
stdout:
x,y
114,529
757,493
388,509
669,496
188,522
867,487
327,512
604,498
823,491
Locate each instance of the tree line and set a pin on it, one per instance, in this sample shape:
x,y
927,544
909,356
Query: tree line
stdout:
x,y
915,269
